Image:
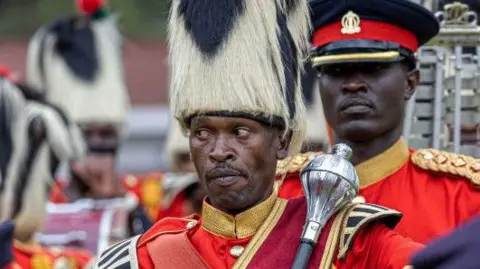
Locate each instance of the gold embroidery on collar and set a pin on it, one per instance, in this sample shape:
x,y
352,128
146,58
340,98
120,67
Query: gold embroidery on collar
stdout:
x,y
240,226
384,164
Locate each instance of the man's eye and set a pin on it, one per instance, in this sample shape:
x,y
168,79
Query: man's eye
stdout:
x,y
332,70
201,134
242,132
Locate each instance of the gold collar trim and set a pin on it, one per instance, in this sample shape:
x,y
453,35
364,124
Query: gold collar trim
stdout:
x,y
240,226
384,164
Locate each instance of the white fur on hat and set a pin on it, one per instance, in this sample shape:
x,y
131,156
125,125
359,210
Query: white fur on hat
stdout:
x,y
240,58
103,100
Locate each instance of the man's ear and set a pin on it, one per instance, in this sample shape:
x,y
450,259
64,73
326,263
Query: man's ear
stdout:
x,y
283,145
413,78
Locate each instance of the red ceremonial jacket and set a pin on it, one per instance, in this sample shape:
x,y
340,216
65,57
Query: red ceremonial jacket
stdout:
x,y
267,236
436,191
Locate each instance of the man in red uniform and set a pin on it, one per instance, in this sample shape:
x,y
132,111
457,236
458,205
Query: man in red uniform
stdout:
x,y
365,55
236,91
77,63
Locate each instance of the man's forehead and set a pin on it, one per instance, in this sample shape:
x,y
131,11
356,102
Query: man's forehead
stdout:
x,y
221,119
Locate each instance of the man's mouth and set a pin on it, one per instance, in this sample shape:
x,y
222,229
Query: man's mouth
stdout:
x,y
355,106
224,177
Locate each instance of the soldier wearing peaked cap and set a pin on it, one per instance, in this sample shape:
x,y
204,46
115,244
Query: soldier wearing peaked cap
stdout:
x,y
236,90
365,56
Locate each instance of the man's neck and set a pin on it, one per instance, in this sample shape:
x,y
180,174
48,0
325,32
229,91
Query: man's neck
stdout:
x,y
365,150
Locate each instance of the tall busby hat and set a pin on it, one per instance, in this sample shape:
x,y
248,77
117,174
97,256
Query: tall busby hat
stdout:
x,y
369,30
239,59
78,62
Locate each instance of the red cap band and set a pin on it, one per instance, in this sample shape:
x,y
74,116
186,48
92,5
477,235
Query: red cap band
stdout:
x,y
371,30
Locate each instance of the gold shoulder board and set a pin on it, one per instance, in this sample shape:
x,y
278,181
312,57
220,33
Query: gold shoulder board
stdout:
x,y
295,163
359,216
448,163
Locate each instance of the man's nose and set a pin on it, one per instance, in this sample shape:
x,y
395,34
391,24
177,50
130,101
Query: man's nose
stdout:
x,y
354,83
221,151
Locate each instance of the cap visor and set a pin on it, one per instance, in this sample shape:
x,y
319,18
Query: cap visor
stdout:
x,y
387,56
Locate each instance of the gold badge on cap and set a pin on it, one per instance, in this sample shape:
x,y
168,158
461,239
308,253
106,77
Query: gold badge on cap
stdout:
x,y
350,23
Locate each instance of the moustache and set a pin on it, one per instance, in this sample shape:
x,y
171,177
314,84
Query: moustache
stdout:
x,y
223,171
355,101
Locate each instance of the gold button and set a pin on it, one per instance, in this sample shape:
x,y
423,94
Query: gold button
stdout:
x,y
192,224
236,251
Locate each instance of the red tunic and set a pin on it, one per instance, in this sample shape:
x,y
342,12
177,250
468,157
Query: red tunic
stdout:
x,y
32,256
436,191
213,238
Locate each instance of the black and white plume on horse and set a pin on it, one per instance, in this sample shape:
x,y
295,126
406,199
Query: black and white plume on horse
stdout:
x,y
40,137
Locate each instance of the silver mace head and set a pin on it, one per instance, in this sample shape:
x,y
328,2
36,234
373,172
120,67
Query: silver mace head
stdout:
x,y
329,183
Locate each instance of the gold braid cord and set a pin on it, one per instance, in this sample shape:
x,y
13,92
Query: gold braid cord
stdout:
x,y
449,163
295,163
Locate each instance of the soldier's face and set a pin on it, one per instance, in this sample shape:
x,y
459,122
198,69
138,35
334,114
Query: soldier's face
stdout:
x,y
96,175
362,101
236,160
101,138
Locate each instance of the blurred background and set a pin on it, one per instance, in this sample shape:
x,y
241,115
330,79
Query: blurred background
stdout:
x,y
144,25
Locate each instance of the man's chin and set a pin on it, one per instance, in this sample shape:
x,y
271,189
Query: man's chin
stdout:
x,y
357,131
232,203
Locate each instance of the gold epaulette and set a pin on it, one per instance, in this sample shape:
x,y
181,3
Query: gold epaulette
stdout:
x,y
295,163
358,216
449,163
